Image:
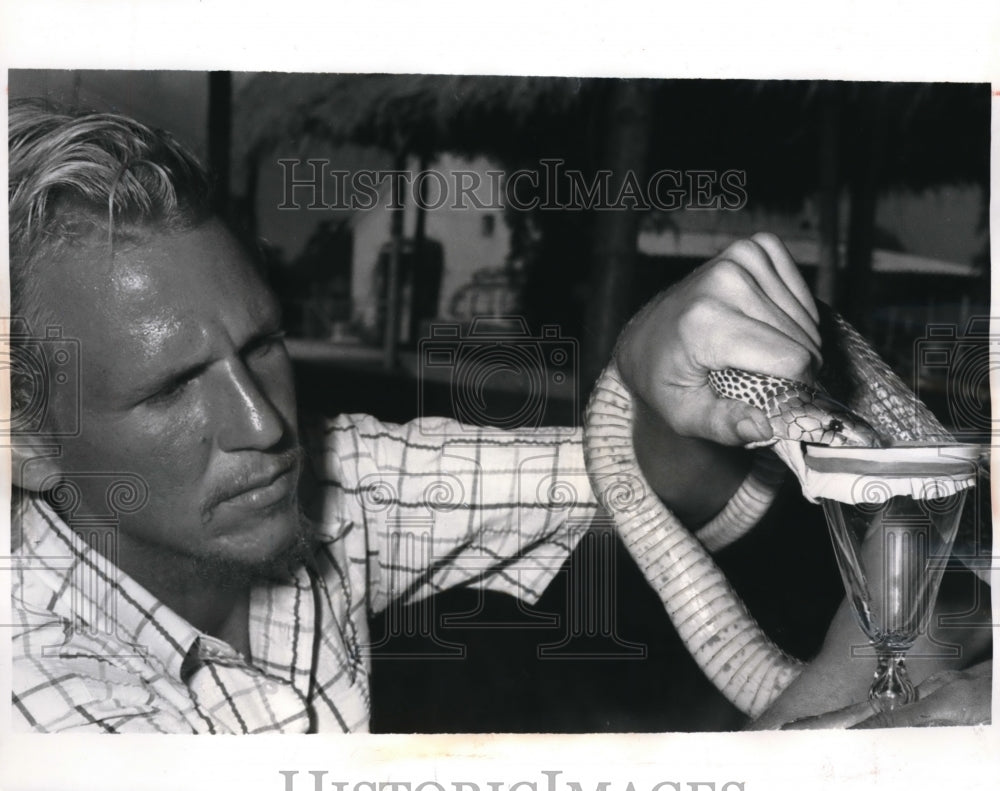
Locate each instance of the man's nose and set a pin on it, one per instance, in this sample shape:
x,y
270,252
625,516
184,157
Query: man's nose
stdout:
x,y
247,418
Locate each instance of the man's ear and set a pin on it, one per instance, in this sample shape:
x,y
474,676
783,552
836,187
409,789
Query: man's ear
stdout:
x,y
35,463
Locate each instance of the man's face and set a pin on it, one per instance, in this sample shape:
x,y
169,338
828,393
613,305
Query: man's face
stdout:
x,y
186,383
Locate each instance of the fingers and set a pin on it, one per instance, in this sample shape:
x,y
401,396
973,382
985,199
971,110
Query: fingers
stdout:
x,y
748,308
786,269
721,420
738,292
947,698
847,717
940,679
757,345
758,278
777,282
711,336
958,698
696,410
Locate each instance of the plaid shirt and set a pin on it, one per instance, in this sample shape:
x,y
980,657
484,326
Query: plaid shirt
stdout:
x,y
406,511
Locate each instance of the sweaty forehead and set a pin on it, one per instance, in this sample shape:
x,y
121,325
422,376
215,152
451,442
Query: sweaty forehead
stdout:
x,y
170,270
172,296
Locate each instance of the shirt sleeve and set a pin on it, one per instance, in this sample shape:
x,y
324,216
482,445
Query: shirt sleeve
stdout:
x,y
440,504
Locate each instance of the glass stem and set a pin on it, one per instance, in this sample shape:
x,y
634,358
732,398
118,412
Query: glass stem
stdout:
x,y
891,687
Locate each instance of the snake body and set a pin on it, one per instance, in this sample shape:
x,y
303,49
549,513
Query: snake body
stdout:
x,y
869,405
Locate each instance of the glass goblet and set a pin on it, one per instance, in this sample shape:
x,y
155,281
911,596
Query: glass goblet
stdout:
x,y
892,537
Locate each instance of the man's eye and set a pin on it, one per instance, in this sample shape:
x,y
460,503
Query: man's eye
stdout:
x,y
169,392
266,345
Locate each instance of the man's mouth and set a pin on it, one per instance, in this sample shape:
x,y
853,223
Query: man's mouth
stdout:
x,y
263,490
259,489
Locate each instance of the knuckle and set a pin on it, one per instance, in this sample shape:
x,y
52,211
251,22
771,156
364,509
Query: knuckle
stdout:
x,y
698,317
731,277
797,360
747,252
766,238
724,269
800,356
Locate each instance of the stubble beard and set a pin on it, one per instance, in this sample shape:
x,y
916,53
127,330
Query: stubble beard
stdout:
x,y
228,572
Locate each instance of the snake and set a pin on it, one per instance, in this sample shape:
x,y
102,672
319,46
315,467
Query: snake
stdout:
x,y
857,400
795,410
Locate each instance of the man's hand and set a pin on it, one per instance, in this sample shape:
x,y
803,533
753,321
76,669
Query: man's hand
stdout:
x,y
748,308
951,697
832,689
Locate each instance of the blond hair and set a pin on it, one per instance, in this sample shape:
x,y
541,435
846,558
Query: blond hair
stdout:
x,y
85,178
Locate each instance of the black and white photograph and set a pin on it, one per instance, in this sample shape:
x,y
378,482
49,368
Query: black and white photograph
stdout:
x,y
338,413
432,402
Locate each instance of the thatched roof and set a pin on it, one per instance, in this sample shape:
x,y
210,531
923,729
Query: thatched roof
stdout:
x,y
937,133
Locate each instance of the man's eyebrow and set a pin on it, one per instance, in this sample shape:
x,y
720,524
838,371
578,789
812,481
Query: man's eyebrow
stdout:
x,y
271,324
260,337
166,376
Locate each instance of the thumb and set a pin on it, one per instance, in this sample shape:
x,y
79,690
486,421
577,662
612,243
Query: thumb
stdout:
x,y
731,422
699,412
752,425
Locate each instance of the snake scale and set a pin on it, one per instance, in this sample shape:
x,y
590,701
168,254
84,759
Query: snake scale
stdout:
x,y
715,625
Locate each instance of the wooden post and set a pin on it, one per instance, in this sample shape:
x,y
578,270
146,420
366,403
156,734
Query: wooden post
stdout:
x,y
397,210
616,231
829,196
865,183
251,167
417,276
220,125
